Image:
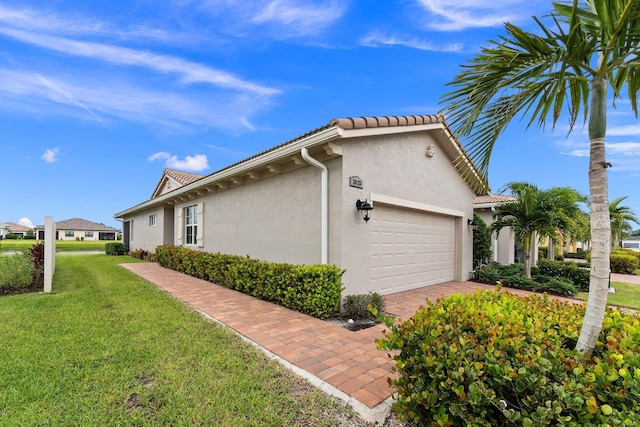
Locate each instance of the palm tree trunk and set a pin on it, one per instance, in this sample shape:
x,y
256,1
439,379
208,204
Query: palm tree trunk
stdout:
x,y
527,256
600,222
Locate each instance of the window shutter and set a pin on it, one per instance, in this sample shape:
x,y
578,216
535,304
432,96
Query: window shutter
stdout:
x,y
180,229
200,228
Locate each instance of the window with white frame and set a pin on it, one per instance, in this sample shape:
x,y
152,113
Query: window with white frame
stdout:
x,y
69,234
153,219
190,225
88,234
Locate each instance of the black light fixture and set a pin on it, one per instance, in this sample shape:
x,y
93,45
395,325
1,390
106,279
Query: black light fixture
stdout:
x,y
473,225
365,209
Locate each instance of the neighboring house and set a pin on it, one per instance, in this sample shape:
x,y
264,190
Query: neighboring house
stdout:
x,y
4,229
14,228
503,245
296,203
80,229
632,242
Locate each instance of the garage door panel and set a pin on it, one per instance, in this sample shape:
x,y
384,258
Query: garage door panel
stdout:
x,y
411,249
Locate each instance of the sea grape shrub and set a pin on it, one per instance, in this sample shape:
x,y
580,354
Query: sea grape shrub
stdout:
x,y
492,358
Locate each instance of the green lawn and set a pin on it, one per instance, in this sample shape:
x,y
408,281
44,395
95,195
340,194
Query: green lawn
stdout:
x,y
61,245
627,295
109,348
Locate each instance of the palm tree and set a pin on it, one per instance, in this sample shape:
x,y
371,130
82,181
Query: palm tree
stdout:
x,y
590,45
621,216
536,212
526,216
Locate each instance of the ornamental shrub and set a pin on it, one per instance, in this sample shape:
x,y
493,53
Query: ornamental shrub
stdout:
x,y
481,241
358,306
492,358
16,272
114,248
311,289
564,270
622,263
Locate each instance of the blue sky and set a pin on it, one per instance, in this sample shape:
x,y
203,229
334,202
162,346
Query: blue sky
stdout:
x,y
97,98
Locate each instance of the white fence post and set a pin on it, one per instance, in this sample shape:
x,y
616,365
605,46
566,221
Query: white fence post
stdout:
x,y
49,252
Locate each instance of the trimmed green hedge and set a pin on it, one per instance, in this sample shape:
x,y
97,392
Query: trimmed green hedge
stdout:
x,y
114,248
311,289
491,358
623,263
564,270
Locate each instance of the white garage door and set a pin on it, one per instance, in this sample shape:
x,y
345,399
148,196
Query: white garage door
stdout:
x,y
411,249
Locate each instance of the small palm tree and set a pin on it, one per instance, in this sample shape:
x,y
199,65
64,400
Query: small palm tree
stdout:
x,y
621,217
536,212
589,46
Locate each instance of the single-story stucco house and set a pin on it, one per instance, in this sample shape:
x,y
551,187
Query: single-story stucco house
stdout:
x,y
14,228
80,229
297,203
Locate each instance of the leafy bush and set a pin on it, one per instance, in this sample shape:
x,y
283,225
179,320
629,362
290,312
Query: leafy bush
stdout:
x,y
481,241
36,252
311,289
114,248
357,306
30,235
556,285
625,264
564,270
16,272
11,236
142,254
491,358
576,255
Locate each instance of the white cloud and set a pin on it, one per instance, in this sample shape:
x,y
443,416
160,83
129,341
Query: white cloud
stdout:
x,y
50,155
195,163
459,15
26,222
374,40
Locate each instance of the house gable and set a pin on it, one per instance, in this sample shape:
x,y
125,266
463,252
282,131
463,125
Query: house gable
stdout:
x,y
172,180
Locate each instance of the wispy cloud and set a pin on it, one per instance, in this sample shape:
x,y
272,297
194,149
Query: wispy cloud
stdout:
x,y
93,98
375,40
195,163
188,71
279,19
50,155
447,15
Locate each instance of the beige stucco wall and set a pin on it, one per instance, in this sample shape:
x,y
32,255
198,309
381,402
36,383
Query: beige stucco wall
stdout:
x,y
503,244
80,234
145,236
275,219
396,166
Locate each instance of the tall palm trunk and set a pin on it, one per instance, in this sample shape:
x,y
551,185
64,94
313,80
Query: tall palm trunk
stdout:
x,y
600,222
527,246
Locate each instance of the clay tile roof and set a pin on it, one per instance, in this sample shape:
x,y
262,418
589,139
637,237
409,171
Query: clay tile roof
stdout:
x,y
385,121
492,198
183,178
14,226
82,225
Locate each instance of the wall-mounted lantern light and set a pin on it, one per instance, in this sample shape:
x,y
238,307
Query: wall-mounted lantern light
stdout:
x,y
473,225
365,209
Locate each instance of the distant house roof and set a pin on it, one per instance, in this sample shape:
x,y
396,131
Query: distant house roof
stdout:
x,y
82,225
491,200
14,226
182,178
631,239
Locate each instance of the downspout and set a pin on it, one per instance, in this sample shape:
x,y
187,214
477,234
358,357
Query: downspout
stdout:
x,y
324,202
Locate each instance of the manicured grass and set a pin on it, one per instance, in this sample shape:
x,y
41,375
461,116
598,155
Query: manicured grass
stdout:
x,y
627,295
61,245
109,348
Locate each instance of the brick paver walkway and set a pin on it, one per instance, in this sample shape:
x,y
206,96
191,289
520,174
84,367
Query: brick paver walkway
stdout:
x,y
347,361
